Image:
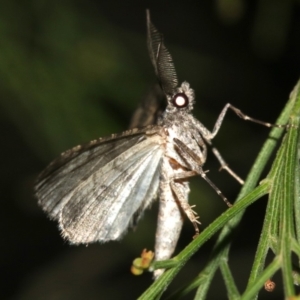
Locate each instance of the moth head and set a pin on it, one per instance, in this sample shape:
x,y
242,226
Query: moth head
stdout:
x,y
182,99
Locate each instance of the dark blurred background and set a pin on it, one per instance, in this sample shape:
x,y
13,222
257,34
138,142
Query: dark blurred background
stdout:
x,y
71,71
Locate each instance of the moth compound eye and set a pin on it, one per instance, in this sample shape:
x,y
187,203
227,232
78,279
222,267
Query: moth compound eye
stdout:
x,y
180,100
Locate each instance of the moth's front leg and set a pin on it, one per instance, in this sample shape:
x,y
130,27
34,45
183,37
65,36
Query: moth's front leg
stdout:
x,y
178,191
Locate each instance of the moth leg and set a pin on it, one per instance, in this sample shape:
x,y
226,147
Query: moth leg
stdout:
x,y
239,113
183,202
195,163
224,166
203,151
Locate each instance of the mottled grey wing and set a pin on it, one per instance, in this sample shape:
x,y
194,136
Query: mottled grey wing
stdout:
x,y
161,59
95,190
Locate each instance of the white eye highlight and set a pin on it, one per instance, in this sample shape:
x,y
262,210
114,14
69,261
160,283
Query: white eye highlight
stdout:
x,y
180,100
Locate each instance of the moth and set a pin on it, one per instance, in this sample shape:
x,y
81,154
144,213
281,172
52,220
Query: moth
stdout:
x,y
98,190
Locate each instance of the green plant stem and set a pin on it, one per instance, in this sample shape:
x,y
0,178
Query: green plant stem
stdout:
x,y
250,183
232,290
186,253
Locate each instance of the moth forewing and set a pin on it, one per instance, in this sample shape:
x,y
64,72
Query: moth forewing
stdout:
x,y
98,196
106,211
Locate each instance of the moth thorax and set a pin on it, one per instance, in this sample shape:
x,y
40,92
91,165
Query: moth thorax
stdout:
x,y
180,100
